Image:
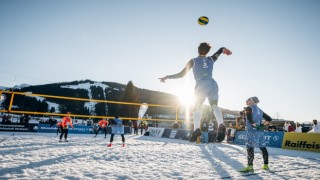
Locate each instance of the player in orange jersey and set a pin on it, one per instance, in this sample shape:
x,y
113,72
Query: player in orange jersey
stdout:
x,y
66,121
102,126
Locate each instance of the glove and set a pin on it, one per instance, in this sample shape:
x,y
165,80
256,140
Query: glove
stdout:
x,y
261,127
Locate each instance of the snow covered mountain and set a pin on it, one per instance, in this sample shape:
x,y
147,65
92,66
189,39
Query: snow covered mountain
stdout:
x,y
86,89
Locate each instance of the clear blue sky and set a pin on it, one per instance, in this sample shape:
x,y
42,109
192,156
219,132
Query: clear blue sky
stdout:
x,y
275,44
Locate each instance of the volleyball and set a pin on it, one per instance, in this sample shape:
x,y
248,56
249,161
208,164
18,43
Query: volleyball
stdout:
x,y
203,20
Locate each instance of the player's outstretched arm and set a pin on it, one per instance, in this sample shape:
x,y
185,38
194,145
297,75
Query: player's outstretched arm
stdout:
x,y
182,73
222,50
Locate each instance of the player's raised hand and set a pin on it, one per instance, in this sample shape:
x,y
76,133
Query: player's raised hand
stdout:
x,y
163,79
226,51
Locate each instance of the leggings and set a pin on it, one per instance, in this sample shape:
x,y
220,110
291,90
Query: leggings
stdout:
x,y
65,133
105,131
122,135
135,131
250,151
58,130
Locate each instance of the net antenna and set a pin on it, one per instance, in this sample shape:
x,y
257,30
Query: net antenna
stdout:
x,y
142,110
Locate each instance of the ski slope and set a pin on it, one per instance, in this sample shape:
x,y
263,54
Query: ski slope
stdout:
x,y
41,156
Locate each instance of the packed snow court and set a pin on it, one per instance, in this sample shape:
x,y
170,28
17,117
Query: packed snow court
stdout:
x,y
41,156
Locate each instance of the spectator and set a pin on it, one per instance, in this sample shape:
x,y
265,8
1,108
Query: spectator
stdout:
x,y
175,125
4,119
7,119
271,127
183,126
240,124
205,131
22,119
287,127
315,127
230,133
211,126
89,122
27,119
298,128
146,126
135,127
142,126
52,121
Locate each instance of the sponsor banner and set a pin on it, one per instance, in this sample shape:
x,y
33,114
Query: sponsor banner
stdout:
x,y
240,137
273,139
155,132
166,133
183,134
302,141
173,133
14,127
78,129
33,127
45,128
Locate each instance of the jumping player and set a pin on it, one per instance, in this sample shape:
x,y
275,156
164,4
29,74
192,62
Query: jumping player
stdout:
x,y
118,128
102,126
255,137
66,121
206,87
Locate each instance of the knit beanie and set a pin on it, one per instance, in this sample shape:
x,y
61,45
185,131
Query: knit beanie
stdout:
x,y
254,99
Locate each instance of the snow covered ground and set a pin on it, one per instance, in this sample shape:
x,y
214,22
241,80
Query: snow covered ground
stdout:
x,y
41,156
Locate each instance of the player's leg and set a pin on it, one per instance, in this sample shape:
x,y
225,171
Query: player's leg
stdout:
x,y
111,140
250,156
197,117
123,140
97,131
221,131
265,156
105,132
213,97
62,133
200,95
66,135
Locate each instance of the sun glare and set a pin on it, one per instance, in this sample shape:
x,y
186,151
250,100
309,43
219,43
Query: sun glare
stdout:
x,y
186,98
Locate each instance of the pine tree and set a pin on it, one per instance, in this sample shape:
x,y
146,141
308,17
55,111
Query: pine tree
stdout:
x,y
130,95
52,110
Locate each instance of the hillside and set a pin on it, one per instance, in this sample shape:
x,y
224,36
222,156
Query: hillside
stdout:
x,y
88,89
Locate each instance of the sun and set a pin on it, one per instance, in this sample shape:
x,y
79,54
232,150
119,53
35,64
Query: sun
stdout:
x,y
186,98
185,92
